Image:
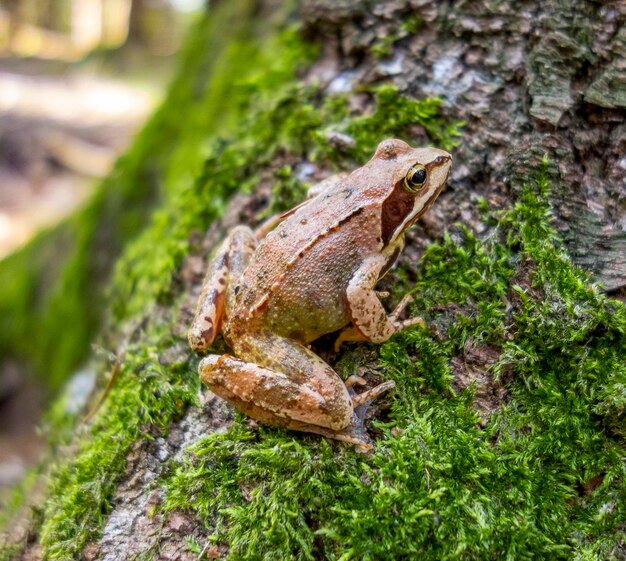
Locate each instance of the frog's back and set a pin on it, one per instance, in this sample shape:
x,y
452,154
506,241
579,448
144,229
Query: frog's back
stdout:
x,y
295,283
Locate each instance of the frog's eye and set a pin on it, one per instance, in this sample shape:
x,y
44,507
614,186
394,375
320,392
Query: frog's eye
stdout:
x,y
415,178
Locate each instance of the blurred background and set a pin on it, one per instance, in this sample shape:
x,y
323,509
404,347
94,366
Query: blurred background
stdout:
x,y
77,80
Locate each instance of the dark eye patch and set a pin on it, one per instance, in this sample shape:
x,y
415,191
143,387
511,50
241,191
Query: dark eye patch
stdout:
x,y
396,207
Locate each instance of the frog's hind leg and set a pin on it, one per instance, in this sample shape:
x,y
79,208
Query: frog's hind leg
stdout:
x,y
282,378
288,386
229,262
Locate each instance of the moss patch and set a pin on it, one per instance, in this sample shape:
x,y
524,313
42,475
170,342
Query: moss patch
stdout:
x,y
544,477
146,398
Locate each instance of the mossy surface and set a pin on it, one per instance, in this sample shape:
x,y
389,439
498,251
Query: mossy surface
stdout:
x,y
146,398
276,116
543,477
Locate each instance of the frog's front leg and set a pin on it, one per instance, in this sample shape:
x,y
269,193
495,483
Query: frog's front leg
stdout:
x,y
370,321
279,381
229,262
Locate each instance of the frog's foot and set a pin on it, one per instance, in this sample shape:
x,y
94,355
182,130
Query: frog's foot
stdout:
x,y
317,401
354,433
363,401
354,380
352,334
399,325
406,300
365,398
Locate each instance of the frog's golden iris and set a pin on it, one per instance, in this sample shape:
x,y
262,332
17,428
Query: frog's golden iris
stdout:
x,y
415,178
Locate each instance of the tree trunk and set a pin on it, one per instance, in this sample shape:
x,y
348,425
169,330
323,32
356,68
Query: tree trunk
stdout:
x,y
504,437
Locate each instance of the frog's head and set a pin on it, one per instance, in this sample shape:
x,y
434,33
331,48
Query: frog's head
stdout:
x,y
414,178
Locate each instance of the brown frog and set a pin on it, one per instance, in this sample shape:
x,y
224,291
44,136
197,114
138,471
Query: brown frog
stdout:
x,y
308,272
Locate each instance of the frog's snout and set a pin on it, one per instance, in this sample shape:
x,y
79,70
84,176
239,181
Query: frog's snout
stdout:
x,y
442,161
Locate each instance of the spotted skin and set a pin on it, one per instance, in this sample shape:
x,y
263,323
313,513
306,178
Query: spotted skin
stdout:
x,y
366,312
301,383
231,258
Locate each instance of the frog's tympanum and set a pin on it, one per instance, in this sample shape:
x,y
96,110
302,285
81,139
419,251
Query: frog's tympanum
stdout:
x,y
305,273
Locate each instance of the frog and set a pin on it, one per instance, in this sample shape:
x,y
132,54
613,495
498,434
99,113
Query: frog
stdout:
x,y
309,272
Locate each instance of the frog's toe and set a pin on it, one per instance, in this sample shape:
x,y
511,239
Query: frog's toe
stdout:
x,y
362,402
368,396
354,380
356,434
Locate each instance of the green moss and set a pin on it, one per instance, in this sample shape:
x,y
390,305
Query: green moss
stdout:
x,y
393,116
45,320
543,478
440,485
275,116
14,513
146,398
410,25
287,191
8,552
383,46
14,499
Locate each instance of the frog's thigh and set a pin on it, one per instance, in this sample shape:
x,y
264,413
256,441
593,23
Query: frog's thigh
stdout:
x,y
366,311
275,397
229,262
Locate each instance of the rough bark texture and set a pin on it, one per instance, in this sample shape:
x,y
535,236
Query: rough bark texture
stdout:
x,y
528,79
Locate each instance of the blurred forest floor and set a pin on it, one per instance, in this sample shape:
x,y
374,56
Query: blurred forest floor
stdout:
x,y
59,129
62,126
